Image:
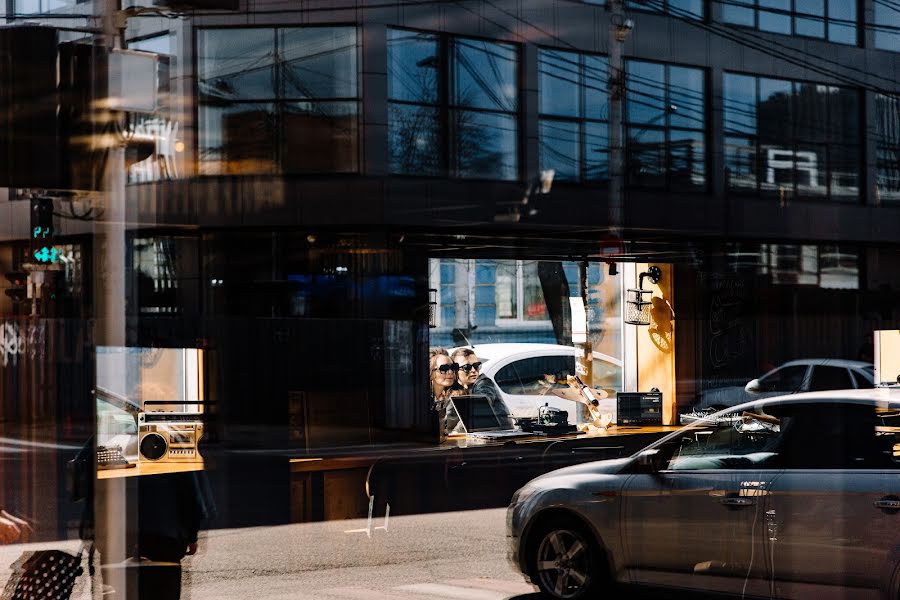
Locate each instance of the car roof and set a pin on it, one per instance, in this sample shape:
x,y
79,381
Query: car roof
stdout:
x,y
831,362
496,351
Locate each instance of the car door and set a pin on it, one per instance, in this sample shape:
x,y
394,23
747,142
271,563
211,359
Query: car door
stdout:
x,y
688,520
833,518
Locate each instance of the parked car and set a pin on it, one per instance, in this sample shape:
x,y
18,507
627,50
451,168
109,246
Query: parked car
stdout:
x,y
519,370
806,375
796,496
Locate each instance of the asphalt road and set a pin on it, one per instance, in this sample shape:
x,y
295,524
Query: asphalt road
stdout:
x,y
444,556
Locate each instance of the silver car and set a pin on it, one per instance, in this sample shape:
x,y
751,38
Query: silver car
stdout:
x,y
796,497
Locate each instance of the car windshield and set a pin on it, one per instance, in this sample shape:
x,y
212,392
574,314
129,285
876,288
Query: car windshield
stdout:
x,y
737,439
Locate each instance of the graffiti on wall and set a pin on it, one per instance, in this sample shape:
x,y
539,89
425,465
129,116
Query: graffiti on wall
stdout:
x,y
17,339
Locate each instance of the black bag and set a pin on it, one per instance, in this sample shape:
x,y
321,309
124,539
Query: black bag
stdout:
x,y
46,575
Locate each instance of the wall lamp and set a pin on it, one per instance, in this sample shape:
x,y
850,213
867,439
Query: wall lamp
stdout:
x,y
637,301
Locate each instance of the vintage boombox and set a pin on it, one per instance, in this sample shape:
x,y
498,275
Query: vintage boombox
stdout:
x,y
169,437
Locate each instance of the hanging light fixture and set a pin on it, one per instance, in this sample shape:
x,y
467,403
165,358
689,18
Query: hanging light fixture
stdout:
x,y
637,301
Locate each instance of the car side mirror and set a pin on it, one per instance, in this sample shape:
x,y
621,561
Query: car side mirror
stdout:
x,y
753,387
648,461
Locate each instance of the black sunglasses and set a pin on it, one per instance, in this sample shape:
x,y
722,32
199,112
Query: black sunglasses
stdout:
x,y
472,367
444,369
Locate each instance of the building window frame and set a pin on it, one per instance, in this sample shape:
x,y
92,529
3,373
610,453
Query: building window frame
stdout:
x,y
671,123
280,104
449,110
887,148
665,7
796,149
795,19
582,121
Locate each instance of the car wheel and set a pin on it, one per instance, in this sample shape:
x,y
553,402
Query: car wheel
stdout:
x,y
566,561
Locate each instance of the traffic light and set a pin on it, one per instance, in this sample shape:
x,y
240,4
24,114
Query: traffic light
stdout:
x,y
18,290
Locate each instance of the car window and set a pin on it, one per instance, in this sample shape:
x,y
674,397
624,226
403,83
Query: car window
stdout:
x,y
785,379
507,379
536,375
839,436
864,378
734,440
830,378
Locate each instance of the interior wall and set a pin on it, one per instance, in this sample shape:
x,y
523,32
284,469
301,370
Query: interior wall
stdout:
x,y
656,343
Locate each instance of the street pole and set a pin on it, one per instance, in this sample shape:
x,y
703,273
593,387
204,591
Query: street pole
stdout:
x,y
619,27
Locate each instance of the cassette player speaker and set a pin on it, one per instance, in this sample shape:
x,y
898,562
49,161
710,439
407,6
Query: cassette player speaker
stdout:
x,y
164,439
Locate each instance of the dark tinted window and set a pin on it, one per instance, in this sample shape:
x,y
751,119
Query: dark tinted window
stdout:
x,y
787,379
830,378
835,436
536,375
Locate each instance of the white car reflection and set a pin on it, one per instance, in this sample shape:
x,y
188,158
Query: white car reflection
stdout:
x,y
796,496
519,368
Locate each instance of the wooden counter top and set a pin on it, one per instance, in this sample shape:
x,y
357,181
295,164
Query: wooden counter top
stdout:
x,y
328,463
148,468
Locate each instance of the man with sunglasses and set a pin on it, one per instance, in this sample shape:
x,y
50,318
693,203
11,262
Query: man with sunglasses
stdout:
x,y
473,382
469,367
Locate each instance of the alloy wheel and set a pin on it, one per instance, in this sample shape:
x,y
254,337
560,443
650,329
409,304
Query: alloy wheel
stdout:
x,y
563,564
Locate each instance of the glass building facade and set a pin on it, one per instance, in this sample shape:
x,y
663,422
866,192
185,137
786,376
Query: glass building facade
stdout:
x,y
259,256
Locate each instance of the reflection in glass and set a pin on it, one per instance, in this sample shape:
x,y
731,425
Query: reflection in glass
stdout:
x,y
686,100
237,138
414,66
740,103
812,111
887,109
485,145
844,169
560,76
534,308
414,139
319,137
887,26
560,148
740,163
646,157
596,96
237,67
484,75
506,290
596,153
775,108
810,27
645,94
318,62
810,170
687,158
776,22
733,12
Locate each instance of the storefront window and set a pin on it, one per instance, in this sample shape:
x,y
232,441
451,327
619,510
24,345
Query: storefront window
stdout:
x,y
574,111
278,100
477,90
665,139
790,138
834,20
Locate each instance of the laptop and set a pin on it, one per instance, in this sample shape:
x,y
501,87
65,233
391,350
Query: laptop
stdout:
x,y
478,419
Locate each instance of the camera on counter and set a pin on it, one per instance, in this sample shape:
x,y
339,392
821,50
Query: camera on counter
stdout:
x,y
169,437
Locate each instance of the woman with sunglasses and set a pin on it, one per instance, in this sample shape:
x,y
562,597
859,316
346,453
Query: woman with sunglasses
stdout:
x,y
443,379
